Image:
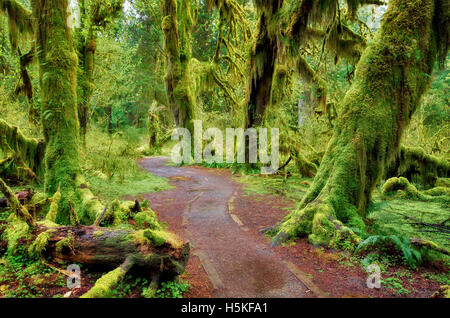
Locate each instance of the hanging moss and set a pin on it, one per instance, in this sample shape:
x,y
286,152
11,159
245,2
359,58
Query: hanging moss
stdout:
x,y
177,45
19,20
391,77
98,15
31,151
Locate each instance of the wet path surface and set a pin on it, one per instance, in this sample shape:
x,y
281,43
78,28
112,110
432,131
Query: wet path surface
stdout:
x,y
237,264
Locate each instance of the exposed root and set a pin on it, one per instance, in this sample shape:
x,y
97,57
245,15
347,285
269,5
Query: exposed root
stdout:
x,y
105,283
317,220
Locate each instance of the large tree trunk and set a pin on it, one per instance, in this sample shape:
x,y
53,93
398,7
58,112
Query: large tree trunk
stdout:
x,y
262,63
392,75
177,45
57,71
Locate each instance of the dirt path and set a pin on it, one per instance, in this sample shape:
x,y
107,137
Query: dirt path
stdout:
x,y
230,258
236,263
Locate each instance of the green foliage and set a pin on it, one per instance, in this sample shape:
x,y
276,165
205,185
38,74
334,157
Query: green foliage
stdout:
x,y
172,289
392,244
395,284
110,164
387,218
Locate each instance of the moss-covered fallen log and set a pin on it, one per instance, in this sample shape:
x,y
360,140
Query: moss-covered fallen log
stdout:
x,y
416,165
151,251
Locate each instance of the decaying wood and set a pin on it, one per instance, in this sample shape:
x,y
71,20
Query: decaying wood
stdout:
x,y
110,247
136,207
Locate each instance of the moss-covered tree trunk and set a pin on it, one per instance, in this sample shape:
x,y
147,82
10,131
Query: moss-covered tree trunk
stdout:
x,y
95,16
177,46
262,63
86,83
57,73
392,75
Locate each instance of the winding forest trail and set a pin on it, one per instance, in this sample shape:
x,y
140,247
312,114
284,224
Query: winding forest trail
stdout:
x,y
237,264
230,258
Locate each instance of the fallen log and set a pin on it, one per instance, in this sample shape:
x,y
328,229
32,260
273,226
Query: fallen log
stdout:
x,y
151,251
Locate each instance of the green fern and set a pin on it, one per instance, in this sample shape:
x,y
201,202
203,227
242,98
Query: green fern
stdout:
x,y
411,256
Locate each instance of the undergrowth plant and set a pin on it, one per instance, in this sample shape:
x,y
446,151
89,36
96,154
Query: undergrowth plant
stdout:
x,y
392,244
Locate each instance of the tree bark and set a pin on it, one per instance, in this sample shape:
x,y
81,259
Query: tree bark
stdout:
x,y
57,72
110,247
392,75
177,46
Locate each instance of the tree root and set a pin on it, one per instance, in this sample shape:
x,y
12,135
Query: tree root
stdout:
x,y
317,221
105,283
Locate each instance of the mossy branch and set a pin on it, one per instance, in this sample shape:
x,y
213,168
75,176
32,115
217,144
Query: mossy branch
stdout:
x,y
18,208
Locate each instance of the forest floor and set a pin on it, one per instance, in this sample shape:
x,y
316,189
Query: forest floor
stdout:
x,y
221,213
230,258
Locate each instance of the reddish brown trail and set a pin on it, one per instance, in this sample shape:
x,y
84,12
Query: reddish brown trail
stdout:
x,y
237,264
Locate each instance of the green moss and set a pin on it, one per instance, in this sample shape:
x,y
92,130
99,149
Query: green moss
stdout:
x,y
403,189
16,230
104,284
40,244
438,191
147,219
53,211
390,79
57,76
395,184
443,292
157,238
66,244
47,223
98,233
443,182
